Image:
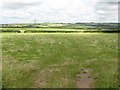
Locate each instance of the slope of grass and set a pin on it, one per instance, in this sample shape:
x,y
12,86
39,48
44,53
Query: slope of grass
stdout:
x,y
54,60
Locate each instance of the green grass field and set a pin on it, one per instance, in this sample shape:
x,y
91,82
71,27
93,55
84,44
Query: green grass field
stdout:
x,y
44,60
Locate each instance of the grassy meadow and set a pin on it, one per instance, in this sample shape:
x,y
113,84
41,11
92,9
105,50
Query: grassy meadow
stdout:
x,y
53,60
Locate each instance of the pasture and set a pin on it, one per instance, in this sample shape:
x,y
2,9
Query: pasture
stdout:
x,y
60,60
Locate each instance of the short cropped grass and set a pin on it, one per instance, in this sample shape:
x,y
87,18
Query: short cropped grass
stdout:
x,y
53,60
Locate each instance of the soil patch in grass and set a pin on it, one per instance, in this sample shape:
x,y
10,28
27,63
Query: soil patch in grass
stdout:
x,y
84,80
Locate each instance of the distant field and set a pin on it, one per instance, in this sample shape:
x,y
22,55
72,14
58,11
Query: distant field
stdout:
x,y
59,60
61,27
90,25
51,25
56,30
36,29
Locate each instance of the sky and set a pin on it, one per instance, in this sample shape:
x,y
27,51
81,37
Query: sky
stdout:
x,y
58,11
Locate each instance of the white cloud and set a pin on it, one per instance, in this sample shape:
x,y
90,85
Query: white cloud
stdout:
x,y
100,11
49,11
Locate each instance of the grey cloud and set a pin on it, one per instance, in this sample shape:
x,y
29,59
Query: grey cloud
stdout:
x,y
108,0
17,5
109,11
16,17
106,6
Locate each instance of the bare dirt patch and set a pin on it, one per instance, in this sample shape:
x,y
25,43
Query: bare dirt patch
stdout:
x,y
39,81
84,80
